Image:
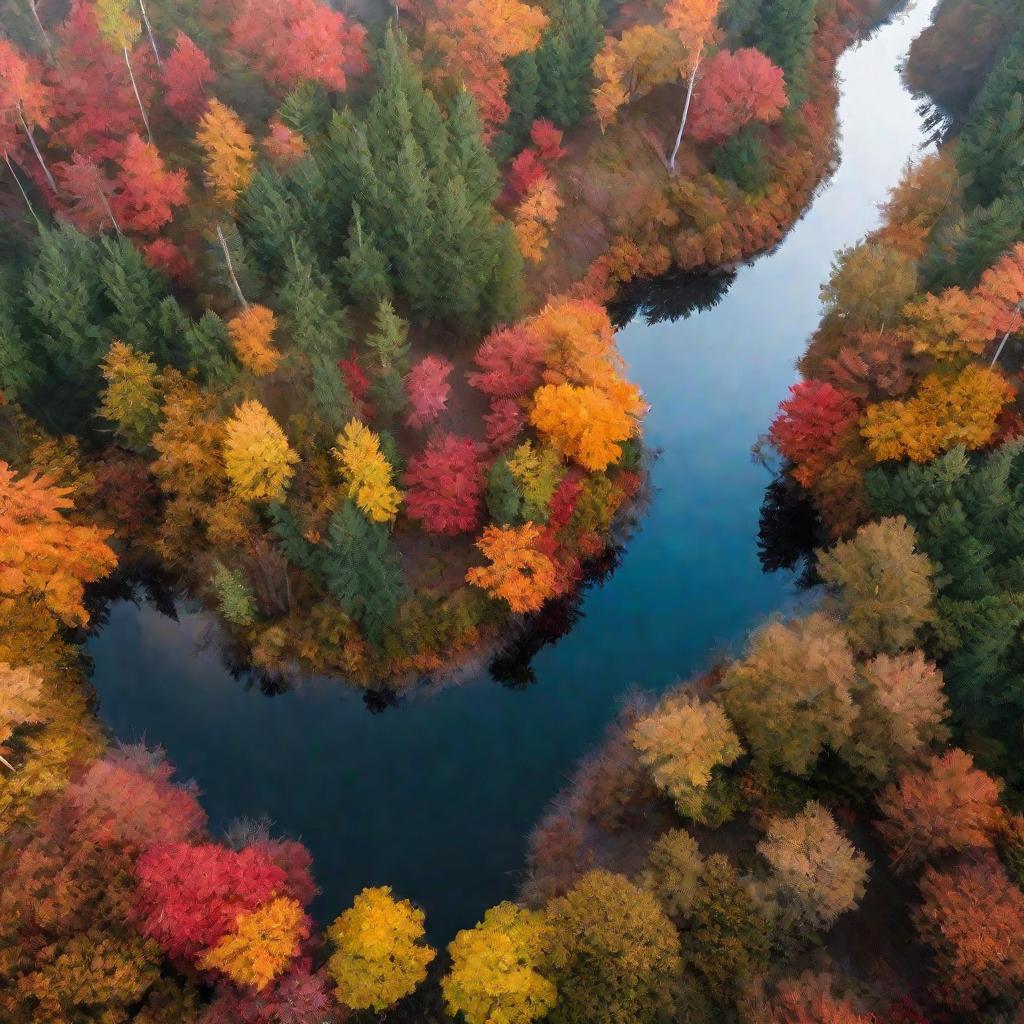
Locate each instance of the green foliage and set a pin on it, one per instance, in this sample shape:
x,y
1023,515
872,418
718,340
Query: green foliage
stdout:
x,y
17,372
364,268
388,342
306,109
674,868
729,937
504,498
613,953
742,159
785,34
234,595
250,277
207,346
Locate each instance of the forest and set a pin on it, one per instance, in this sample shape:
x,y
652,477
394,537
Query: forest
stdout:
x,y
308,309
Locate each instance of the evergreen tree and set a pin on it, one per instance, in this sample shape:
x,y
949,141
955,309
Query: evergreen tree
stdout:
x,y
269,218
469,159
364,268
388,342
208,349
523,101
363,570
742,159
504,499
17,371
318,324
786,31
565,60
250,280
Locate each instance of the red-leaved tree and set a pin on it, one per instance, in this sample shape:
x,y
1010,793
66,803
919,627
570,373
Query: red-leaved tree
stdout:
x,y
148,192
446,486
427,387
509,361
86,194
186,74
735,89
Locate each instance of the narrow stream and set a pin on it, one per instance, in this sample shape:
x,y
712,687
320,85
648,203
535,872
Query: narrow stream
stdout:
x,y
436,797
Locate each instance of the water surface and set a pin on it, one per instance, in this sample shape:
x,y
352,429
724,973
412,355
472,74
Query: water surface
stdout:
x,y
436,797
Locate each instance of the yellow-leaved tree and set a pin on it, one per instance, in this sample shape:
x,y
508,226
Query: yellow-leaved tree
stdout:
x,y
252,338
261,945
379,956
367,472
228,151
257,457
131,399
496,976
586,423
519,573
21,692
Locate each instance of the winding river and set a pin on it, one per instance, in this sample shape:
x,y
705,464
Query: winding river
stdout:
x,y
437,795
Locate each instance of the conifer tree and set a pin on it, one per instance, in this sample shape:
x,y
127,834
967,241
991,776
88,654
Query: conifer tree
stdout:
x,y
364,268
17,370
785,34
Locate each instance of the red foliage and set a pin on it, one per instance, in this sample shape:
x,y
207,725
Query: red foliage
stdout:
x,y
358,385
809,424
548,140
21,89
510,361
186,74
735,89
125,491
83,190
289,41
526,170
446,486
428,389
92,93
148,191
295,861
164,255
297,997
189,896
504,423
563,501
128,797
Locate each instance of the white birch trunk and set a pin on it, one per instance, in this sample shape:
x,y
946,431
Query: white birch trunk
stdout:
x,y
686,111
138,98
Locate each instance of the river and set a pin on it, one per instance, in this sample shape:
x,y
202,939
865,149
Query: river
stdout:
x,y
437,795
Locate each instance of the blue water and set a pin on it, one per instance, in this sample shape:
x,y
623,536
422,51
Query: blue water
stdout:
x,y
436,797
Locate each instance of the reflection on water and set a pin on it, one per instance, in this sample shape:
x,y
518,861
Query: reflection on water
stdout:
x,y
437,796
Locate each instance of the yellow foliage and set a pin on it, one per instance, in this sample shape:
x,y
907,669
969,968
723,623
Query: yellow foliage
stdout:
x,y
495,976
21,690
952,325
257,457
228,149
252,337
534,217
518,573
131,399
379,956
367,473
116,25
261,946
585,423
943,412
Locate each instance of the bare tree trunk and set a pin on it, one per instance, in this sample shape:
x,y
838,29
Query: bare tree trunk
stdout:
x,y
149,32
138,98
231,266
24,194
105,201
42,31
398,19
7,764
1006,337
35,149
686,112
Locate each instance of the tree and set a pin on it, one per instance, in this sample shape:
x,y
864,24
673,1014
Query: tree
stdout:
x,y
790,696
189,897
257,457
949,327
869,285
883,588
121,31
186,73
379,954
944,412
147,192
43,557
428,389
496,976
252,338
901,707
948,806
519,574
674,867
509,362
972,916
587,424
808,999
86,192
612,953
810,426
234,596
735,90
817,874
367,472
131,399
261,944
728,938
22,690
228,151
24,96
785,34
681,744
446,485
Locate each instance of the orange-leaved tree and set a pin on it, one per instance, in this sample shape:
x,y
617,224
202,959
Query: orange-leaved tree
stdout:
x,y
520,573
252,338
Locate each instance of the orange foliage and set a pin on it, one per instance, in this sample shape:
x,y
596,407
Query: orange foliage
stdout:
x,y
585,423
252,336
519,573
228,149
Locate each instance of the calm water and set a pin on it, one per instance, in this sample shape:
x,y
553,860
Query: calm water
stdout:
x,y
437,796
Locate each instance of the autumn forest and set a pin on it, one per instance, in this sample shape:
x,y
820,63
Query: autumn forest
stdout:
x,y
314,320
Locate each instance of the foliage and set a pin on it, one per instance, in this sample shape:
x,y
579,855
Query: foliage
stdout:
x,y
228,149
585,423
495,977
612,953
379,955
674,867
817,874
734,90
186,74
234,596
252,338
681,744
808,999
948,806
131,399
791,695
147,192
509,362
257,457
428,389
520,573
869,285
446,485
367,472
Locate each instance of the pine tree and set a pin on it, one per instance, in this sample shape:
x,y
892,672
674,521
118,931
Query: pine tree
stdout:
x,y
468,157
318,324
17,370
249,278
565,60
207,348
135,291
389,341
364,268
787,28
523,99
504,498
269,220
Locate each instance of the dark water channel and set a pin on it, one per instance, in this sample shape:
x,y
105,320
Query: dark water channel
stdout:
x,y
437,796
